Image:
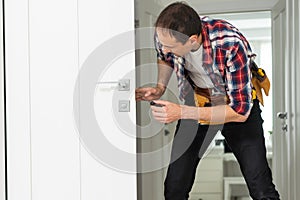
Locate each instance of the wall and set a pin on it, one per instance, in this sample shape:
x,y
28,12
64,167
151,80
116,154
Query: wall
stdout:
x,y
2,112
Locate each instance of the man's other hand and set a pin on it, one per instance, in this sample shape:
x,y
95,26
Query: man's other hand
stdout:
x,y
148,93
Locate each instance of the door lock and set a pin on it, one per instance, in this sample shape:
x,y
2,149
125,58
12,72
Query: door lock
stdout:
x,y
124,106
285,128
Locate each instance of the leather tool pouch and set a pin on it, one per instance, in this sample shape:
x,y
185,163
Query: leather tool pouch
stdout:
x,y
203,98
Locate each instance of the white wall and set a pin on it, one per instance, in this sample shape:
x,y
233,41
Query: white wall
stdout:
x,y
18,107
2,114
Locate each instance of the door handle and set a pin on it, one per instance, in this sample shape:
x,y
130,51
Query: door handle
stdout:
x,y
282,115
122,85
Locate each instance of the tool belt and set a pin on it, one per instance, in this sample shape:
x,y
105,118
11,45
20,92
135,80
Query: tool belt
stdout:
x,y
260,81
203,98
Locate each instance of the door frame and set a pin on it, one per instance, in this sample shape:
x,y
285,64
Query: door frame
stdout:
x,y
150,184
280,139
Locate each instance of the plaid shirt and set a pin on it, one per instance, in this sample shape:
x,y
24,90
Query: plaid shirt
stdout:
x,y
226,56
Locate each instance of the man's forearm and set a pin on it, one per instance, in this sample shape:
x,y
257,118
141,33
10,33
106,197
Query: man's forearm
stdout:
x,y
215,114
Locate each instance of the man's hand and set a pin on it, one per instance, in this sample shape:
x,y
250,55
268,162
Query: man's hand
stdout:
x,y
148,93
166,113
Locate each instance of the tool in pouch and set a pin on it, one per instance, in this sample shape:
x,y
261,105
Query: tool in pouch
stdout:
x,y
260,81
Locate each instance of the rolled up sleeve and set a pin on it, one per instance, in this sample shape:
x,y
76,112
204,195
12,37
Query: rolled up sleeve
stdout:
x,y
239,79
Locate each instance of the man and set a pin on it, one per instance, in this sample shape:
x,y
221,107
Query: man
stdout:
x,y
211,59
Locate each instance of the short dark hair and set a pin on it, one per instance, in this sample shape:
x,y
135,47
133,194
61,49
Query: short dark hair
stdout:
x,y
180,20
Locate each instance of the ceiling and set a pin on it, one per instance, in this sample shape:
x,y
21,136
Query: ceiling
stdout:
x,y
252,18
223,6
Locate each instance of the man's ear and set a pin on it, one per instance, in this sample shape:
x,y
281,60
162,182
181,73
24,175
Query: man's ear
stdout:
x,y
194,39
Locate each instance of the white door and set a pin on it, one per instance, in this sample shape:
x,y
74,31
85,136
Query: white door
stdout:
x,y
281,104
285,18
107,101
55,53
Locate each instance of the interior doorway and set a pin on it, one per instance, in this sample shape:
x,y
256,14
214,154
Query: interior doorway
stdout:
x,y
256,26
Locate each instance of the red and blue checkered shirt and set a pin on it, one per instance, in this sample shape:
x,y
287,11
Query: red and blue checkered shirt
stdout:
x,y
226,57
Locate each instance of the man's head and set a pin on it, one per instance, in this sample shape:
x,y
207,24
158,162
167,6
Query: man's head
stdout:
x,y
178,25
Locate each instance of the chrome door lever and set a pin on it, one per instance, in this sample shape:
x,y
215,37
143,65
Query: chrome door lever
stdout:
x,y
122,85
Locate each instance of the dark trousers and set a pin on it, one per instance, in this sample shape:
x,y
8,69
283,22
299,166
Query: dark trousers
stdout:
x,y
247,143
